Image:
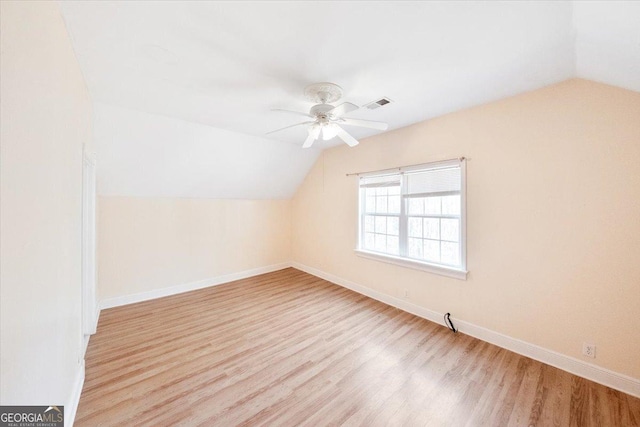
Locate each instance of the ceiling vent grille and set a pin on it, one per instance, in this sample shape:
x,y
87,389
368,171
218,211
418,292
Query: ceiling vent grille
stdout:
x,y
378,103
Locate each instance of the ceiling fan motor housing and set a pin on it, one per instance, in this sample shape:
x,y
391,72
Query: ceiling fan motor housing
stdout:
x,y
320,110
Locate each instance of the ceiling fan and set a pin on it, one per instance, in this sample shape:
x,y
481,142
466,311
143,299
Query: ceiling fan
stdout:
x,y
326,118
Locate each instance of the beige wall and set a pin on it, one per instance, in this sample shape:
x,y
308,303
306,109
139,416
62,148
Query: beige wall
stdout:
x,y
553,218
46,118
146,244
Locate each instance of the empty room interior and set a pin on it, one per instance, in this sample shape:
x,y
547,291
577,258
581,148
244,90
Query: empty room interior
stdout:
x,y
320,213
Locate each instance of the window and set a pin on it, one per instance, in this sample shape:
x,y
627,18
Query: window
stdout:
x,y
414,216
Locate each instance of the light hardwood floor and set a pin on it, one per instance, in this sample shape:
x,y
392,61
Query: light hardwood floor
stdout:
x,y
288,349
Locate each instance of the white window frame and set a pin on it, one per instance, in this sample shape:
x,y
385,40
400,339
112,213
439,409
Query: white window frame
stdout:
x,y
441,269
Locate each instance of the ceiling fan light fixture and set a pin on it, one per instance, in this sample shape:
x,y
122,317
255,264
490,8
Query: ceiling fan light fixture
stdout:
x,y
329,131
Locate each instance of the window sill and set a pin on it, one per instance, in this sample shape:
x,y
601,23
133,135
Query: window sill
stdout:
x,y
403,262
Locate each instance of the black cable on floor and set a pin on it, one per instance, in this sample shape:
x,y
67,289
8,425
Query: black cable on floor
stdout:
x,y
449,323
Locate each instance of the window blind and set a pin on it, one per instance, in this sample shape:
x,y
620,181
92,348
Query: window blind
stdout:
x,y
439,182
380,181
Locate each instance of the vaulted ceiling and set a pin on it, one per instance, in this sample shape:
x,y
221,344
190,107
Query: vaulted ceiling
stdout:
x,y
225,65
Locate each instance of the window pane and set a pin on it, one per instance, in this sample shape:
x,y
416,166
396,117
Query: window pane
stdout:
x,y
450,229
381,204
415,227
369,223
450,253
432,228
370,205
432,250
451,205
393,245
415,248
371,192
394,204
381,224
369,240
393,225
394,190
381,191
381,242
432,206
416,206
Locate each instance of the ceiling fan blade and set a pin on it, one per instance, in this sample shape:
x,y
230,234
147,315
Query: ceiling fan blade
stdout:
x,y
300,113
314,132
287,127
364,123
346,137
307,142
344,108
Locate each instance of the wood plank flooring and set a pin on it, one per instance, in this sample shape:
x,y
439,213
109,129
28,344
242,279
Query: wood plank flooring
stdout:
x,y
290,349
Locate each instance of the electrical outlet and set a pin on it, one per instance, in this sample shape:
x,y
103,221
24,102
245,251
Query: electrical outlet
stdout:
x,y
589,350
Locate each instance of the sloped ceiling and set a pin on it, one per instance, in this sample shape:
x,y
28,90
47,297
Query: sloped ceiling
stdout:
x,y
146,155
225,65
608,42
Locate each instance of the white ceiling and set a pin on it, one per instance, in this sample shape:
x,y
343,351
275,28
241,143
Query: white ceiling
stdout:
x,y
608,42
226,64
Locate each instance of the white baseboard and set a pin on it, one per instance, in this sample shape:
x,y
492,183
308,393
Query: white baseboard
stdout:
x,y
85,344
97,318
94,328
71,406
575,366
186,287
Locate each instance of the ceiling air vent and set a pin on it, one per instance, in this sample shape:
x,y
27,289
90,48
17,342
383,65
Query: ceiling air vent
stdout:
x,y
378,103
